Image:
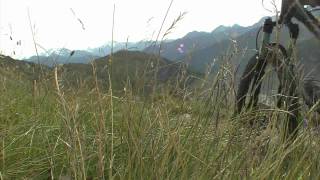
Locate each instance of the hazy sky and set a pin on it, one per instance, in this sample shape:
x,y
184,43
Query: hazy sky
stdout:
x,y
56,22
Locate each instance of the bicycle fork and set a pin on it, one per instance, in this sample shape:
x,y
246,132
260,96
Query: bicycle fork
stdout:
x,y
288,82
262,62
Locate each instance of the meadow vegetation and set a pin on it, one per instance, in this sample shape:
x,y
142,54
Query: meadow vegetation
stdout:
x,y
108,128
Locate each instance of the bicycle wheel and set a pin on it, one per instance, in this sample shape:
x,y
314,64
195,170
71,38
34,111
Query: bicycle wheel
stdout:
x,y
269,79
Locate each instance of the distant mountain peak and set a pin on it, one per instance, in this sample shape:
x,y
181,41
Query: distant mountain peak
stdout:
x,y
195,34
220,28
223,28
237,26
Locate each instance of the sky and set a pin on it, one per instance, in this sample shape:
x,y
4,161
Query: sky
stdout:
x,y
82,24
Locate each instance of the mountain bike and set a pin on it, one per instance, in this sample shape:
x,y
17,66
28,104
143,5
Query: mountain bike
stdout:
x,y
272,58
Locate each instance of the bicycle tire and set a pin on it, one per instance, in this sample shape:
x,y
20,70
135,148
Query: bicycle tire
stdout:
x,y
250,84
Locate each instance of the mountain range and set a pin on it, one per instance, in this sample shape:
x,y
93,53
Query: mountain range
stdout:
x,y
198,49
65,56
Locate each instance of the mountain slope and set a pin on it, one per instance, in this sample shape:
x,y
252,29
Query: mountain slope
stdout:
x,y
132,70
126,68
195,41
19,69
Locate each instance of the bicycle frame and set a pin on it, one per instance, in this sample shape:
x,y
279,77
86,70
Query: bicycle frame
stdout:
x,y
293,9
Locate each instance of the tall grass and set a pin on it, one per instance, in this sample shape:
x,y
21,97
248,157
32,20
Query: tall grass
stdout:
x,y
69,133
